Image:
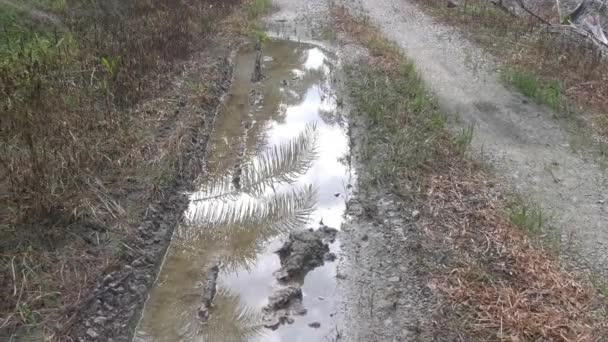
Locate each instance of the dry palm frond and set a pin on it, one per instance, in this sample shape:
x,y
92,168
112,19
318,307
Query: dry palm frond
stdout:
x,y
282,163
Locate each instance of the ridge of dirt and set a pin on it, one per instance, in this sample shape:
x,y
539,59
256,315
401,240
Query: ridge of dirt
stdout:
x,y
112,310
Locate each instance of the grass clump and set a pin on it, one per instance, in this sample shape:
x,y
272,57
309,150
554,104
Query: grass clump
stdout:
x,y
547,92
257,8
551,68
526,215
74,144
464,139
400,109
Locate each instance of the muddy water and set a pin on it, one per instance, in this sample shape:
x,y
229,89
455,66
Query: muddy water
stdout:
x,y
278,164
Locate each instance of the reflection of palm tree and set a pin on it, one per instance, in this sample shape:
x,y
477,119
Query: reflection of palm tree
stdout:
x,y
236,230
230,321
235,222
282,163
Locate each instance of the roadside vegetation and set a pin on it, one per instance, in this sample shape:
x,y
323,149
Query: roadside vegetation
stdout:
x,y
89,134
493,281
563,73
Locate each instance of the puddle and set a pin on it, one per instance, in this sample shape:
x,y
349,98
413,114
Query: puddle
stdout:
x,y
278,165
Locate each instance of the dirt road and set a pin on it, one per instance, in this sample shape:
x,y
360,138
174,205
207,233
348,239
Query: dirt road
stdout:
x,y
374,292
524,143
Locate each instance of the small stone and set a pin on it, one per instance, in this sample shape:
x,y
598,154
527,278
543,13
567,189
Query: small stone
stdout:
x,y
268,59
315,325
320,298
415,214
92,333
100,320
284,83
388,322
337,194
330,257
452,4
600,202
364,237
394,279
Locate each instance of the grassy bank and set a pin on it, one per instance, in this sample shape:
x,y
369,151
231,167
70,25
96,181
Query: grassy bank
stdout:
x,y
565,74
492,282
92,131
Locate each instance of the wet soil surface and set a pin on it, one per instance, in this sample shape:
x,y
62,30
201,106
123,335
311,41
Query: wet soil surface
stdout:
x,y
112,309
529,149
255,259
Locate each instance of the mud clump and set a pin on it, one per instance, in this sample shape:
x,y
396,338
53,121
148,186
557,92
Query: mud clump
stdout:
x,y
283,304
301,253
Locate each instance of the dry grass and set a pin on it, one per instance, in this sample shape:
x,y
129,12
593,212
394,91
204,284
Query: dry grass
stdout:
x,y
509,287
523,45
92,131
67,93
493,282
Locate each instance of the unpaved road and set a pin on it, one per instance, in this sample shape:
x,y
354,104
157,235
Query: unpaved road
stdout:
x,y
379,294
528,148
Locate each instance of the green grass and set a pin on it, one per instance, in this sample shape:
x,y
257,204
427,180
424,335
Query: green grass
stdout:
x,y
257,8
464,138
548,93
526,215
403,115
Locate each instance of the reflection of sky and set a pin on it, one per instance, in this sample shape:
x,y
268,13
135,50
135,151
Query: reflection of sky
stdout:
x,y
330,177
327,174
315,59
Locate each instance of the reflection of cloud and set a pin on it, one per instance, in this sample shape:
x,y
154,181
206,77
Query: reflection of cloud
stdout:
x,y
239,228
315,59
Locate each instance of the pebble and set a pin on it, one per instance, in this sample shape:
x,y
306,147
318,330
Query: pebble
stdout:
x,y
330,257
394,279
315,325
92,333
100,320
415,214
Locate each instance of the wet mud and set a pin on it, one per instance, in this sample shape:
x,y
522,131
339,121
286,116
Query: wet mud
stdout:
x,y
278,168
303,251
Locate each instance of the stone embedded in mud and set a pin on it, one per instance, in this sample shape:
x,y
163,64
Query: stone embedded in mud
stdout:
x,y
330,257
209,293
315,325
257,71
282,305
284,297
92,333
304,251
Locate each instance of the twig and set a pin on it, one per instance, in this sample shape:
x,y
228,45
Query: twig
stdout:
x,y
14,277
